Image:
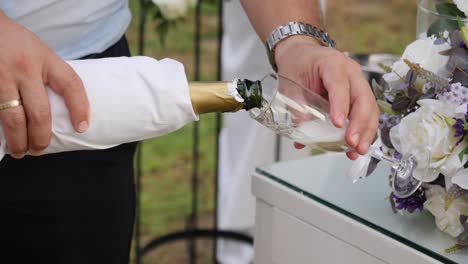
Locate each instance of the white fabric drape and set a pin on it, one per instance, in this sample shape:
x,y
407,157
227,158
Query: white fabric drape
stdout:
x,y
131,99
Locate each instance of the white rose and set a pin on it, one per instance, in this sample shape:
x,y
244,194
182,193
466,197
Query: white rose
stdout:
x,y
453,164
423,52
398,74
426,127
172,9
427,54
461,179
462,5
447,219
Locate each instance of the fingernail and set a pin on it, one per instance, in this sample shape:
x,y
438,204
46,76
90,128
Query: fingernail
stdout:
x,y
365,145
18,155
340,119
83,126
355,139
35,152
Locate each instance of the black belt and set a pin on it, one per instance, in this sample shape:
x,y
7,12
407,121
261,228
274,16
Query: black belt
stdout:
x,y
120,45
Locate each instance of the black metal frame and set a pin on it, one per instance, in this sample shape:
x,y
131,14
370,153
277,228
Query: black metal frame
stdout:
x,y
191,233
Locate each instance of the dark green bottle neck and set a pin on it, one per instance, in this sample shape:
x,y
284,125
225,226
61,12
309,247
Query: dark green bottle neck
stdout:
x,y
251,92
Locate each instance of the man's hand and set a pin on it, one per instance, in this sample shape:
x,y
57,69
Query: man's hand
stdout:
x,y
332,74
26,66
323,69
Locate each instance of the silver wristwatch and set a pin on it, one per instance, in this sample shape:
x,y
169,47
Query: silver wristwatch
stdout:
x,y
295,28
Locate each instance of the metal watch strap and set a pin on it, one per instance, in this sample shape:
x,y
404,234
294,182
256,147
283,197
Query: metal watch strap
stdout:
x,y
295,28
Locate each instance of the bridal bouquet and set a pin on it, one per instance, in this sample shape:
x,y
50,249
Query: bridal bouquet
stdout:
x,y
423,99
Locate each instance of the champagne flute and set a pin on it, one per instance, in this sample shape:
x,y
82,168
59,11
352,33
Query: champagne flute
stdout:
x,y
304,116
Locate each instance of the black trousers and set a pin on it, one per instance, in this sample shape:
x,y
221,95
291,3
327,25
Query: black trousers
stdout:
x,y
73,207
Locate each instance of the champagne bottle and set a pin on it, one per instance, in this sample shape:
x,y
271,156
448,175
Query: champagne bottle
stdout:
x,y
294,118
208,97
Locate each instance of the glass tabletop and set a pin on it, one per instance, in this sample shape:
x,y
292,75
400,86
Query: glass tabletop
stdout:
x,y
323,179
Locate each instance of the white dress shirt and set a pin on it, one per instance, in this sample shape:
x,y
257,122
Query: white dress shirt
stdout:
x,y
72,28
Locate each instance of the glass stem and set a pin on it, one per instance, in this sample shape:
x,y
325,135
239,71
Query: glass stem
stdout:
x,y
380,155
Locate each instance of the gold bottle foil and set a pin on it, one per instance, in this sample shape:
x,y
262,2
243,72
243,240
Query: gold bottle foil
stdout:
x,y
209,97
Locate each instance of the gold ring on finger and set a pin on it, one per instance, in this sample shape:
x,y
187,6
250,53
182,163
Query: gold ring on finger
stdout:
x,y
10,104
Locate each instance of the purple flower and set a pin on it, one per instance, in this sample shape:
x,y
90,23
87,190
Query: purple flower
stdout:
x,y
457,94
409,204
462,45
397,155
387,120
459,127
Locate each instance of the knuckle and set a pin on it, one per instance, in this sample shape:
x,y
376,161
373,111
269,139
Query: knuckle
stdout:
x,y
353,64
327,58
23,63
73,82
337,56
16,147
4,72
40,116
39,145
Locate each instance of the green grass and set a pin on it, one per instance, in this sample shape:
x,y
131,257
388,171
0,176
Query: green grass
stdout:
x,y
167,170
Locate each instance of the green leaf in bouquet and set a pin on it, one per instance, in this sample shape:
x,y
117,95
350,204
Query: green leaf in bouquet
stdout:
x,y
401,104
385,68
460,76
410,78
463,153
385,107
441,25
412,92
446,23
430,94
377,89
449,9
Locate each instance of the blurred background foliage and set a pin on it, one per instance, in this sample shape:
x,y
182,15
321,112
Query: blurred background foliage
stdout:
x,y
359,26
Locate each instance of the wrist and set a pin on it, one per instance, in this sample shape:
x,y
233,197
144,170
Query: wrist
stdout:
x,y
295,29
289,45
